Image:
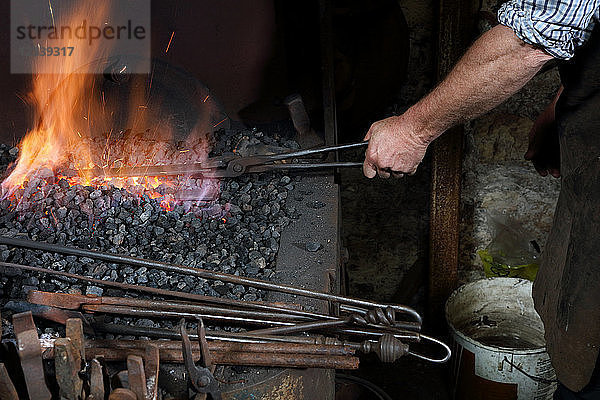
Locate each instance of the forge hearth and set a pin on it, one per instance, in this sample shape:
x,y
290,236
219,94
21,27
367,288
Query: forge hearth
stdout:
x,y
237,233
272,226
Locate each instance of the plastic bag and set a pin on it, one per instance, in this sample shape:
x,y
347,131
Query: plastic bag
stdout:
x,y
512,252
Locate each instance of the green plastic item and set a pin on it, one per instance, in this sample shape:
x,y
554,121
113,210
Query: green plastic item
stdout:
x,y
495,265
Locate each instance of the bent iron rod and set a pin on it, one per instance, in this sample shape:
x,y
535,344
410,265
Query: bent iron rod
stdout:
x,y
145,313
281,327
168,293
171,309
60,301
205,274
243,337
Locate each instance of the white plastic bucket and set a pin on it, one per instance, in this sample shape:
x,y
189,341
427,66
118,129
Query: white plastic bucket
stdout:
x,y
499,348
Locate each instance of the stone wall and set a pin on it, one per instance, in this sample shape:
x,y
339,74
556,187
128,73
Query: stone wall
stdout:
x,y
497,181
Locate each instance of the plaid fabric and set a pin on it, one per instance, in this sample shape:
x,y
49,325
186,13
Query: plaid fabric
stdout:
x,y
557,26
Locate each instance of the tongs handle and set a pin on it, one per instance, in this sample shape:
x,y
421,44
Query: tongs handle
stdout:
x,y
303,166
316,150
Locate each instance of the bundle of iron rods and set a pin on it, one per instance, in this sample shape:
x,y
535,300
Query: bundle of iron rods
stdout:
x,y
373,326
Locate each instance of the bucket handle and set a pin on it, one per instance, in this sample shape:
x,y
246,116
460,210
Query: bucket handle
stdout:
x,y
533,378
434,360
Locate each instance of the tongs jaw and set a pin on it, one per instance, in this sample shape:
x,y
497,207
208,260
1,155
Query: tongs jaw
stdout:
x,y
237,166
202,378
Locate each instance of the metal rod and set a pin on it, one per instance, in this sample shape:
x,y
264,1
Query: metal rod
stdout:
x,y
249,337
205,274
164,292
316,150
277,327
209,167
144,313
75,301
154,170
304,327
120,350
227,347
325,325
303,166
163,333
174,170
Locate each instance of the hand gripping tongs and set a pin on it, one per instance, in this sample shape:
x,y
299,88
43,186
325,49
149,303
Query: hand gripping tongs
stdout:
x,y
231,166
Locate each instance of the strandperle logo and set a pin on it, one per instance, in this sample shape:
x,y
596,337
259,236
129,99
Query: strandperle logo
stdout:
x,y
85,31
75,36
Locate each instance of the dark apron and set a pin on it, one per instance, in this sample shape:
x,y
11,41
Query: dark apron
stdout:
x,y
567,289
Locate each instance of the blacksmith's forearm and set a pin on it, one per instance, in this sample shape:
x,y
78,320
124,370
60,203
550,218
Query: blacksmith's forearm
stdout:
x,y
496,66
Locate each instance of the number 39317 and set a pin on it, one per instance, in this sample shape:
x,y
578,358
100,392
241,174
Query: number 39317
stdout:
x,y
54,51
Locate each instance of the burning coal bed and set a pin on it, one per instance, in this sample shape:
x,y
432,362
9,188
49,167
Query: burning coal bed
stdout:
x,y
238,233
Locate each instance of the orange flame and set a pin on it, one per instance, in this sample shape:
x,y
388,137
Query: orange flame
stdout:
x,y
71,114
55,98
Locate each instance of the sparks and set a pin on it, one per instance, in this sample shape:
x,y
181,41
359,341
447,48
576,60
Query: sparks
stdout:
x,y
51,12
53,217
220,122
170,40
72,129
206,98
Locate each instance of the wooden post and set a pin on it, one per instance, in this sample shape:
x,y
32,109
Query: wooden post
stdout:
x,y
327,70
456,23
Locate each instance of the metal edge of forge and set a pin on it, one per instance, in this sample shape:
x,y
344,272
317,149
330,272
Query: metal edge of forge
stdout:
x,y
309,256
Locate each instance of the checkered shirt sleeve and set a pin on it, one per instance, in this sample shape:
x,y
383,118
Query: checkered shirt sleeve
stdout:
x,y
557,26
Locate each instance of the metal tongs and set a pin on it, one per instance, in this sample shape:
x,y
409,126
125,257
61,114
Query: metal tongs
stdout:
x,y
201,376
232,166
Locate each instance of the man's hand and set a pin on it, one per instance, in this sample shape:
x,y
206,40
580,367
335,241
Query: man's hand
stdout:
x,y
544,148
395,148
493,69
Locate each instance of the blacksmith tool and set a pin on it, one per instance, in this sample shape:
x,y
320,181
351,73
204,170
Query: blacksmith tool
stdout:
x,y
69,358
136,376
30,353
96,381
54,314
358,305
67,362
278,307
202,378
169,309
151,366
111,304
7,388
122,394
231,166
